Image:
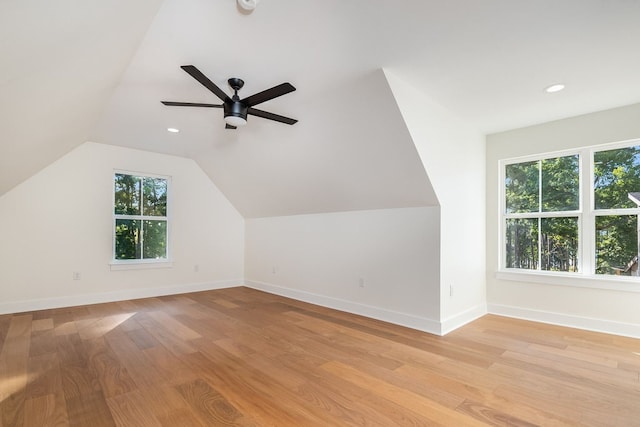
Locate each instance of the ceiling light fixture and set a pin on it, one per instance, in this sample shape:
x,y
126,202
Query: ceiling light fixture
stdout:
x,y
173,130
235,120
554,88
248,4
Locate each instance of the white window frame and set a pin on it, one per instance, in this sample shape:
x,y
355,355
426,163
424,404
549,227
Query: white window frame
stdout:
x,y
128,264
585,276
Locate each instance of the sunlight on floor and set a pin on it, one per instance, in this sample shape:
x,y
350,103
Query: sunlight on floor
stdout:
x,y
11,385
95,328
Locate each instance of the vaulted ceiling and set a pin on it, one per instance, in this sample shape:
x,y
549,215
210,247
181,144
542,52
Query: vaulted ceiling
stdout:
x,y
79,70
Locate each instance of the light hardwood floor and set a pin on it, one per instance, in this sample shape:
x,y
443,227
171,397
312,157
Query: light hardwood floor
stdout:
x,y
242,357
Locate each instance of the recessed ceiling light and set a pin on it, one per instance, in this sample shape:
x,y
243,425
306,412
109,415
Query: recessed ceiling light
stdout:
x,y
173,130
554,88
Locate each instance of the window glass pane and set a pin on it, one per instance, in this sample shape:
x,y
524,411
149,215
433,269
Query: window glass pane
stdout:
x,y
559,244
154,197
522,243
155,239
616,174
617,245
560,184
521,187
127,194
127,239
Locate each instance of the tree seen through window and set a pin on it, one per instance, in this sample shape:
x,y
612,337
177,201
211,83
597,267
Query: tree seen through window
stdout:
x,y
140,217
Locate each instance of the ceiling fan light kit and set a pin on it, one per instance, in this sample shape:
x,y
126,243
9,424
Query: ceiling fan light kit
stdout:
x,y
235,109
248,4
235,121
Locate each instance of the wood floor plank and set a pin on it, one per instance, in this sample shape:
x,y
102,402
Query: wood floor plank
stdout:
x,y
132,409
89,410
42,342
476,397
354,405
261,398
95,327
113,376
169,407
142,339
172,369
78,380
5,321
14,370
49,410
425,407
169,322
212,407
138,365
166,337
44,375
70,349
42,324
238,356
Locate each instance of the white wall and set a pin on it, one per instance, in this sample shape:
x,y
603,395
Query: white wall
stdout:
x,y
606,310
60,221
321,258
453,155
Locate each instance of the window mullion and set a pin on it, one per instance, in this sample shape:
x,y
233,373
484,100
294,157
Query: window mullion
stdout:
x,y
539,244
588,232
540,217
141,239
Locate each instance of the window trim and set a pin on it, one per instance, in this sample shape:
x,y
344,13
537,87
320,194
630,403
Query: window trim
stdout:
x,y
142,263
585,276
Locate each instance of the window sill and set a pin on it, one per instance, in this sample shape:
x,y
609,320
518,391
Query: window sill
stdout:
x,y
116,265
616,283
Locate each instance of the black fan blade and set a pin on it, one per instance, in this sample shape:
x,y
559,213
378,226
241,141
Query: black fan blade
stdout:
x,y
271,116
228,126
190,104
266,95
204,81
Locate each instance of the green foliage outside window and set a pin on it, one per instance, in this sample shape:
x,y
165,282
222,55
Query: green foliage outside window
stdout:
x,y
522,187
549,185
616,243
522,243
140,207
542,234
559,244
616,174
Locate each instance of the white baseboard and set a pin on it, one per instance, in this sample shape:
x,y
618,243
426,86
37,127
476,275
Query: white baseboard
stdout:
x,y
454,322
590,324
102,297
402,319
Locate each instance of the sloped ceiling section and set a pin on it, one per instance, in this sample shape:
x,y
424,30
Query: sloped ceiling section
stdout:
x,y
364,159
60,61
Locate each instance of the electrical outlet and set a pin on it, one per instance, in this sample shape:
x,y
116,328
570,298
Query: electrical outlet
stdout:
x,y
450,290
196,268
76,275
273,270
361,282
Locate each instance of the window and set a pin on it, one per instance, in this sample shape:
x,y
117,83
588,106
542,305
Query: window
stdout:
x,y
572,212
140,217
616,191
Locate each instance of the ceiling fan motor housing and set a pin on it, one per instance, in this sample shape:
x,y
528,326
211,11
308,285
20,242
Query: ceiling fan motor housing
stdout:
x,y
235,108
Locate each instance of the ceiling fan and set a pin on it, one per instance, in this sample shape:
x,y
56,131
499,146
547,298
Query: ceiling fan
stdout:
x,y
235,109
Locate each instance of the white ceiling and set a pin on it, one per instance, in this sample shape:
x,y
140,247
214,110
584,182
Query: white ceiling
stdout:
x,y
75,70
